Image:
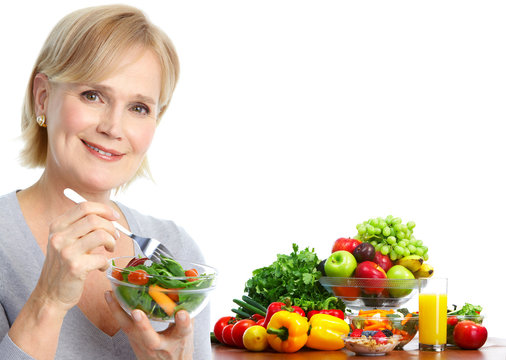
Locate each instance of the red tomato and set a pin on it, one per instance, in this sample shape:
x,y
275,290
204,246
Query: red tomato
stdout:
x,y
469,335
190,273
452,321
347,244
239,329
220,324
138,277
116,273
227,335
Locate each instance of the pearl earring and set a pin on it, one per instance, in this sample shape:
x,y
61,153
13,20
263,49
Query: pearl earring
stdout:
x,y
41,120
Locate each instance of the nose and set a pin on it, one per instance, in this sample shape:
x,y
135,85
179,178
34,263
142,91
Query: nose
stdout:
x,y
111,123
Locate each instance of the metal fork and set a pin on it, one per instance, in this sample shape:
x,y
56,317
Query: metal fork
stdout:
x,y
150,247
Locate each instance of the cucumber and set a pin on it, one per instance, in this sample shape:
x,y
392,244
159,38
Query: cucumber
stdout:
x,y
241,313
249,308
254,303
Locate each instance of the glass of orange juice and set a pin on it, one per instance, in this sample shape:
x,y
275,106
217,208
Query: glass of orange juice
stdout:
x,y
432,308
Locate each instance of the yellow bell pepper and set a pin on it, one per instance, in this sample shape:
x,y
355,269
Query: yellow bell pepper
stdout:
x,y
326,331
287,331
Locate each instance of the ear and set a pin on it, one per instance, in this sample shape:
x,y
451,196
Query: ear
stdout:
x,y
40,93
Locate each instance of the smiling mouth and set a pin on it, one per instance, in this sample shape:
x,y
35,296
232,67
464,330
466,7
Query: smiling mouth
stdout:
x,y
102,152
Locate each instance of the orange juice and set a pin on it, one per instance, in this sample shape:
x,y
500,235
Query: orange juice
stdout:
x,y
432,319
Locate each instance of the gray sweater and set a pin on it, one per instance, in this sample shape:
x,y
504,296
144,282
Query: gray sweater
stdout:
x,y
21,261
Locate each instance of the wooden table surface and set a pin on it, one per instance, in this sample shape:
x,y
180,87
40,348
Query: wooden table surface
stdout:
x,y
494,349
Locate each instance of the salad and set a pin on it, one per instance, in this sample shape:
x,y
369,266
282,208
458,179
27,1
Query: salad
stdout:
x,y
466,312
159,289
401,322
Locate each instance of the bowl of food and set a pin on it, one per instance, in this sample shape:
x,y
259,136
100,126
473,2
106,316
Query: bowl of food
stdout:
x,y
401,323
371,343
358,293
467,312
161,289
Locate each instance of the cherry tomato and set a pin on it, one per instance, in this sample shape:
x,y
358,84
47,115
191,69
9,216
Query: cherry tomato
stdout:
x,y
469,335
116,273
239,329
227,335
190,273
138,277
220,324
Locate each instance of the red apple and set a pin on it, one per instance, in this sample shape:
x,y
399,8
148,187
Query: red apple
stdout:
x,y
371,270
469,335
383,261
346,244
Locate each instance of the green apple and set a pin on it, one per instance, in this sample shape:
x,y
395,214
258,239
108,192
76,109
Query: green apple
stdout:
x,y
399,272
341,263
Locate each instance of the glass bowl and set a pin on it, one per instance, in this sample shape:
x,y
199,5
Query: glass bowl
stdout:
x,y
405,327
161,296
453,320
367,345
358,293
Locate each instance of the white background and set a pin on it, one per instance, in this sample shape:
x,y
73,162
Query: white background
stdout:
x,y
295,120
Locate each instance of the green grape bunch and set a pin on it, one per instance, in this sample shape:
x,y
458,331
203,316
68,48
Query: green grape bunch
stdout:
x,y
391,237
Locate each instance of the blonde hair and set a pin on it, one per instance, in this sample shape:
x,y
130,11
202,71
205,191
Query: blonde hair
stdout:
x,y
84,47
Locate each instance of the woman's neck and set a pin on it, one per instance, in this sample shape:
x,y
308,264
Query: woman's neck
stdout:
x,y
46,197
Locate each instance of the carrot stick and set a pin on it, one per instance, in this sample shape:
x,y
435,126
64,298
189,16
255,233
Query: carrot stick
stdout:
x,y
377,326
166,303
375,311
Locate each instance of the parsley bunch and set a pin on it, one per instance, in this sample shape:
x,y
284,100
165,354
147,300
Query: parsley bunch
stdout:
x,y
294,276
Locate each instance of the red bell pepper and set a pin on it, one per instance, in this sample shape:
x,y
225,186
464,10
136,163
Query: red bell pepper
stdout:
x,y
278,306
334,312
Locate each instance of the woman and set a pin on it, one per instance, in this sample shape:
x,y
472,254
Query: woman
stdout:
x,y
101,83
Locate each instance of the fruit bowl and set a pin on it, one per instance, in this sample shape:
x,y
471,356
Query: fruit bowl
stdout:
x,y
404,326
367,345
453,320
161,289
358,293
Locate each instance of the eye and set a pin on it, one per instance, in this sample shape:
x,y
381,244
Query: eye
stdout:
x,y
90,95
141,109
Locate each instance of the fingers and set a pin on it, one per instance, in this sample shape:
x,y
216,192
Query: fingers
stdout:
x,y
82,210
176,339
183,326
90,223
123,319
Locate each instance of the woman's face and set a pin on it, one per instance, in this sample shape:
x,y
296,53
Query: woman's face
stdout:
x,y
98,133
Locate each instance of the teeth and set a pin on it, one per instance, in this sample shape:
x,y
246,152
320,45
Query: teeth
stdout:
x,y
98,150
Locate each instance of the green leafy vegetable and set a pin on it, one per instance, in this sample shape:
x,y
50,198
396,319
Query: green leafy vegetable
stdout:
x,y
167,274
294,276
467,309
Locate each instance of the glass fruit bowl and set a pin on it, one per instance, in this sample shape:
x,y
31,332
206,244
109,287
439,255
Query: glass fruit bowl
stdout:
x,y
358,293
453,320
161,289
402,324
369,346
